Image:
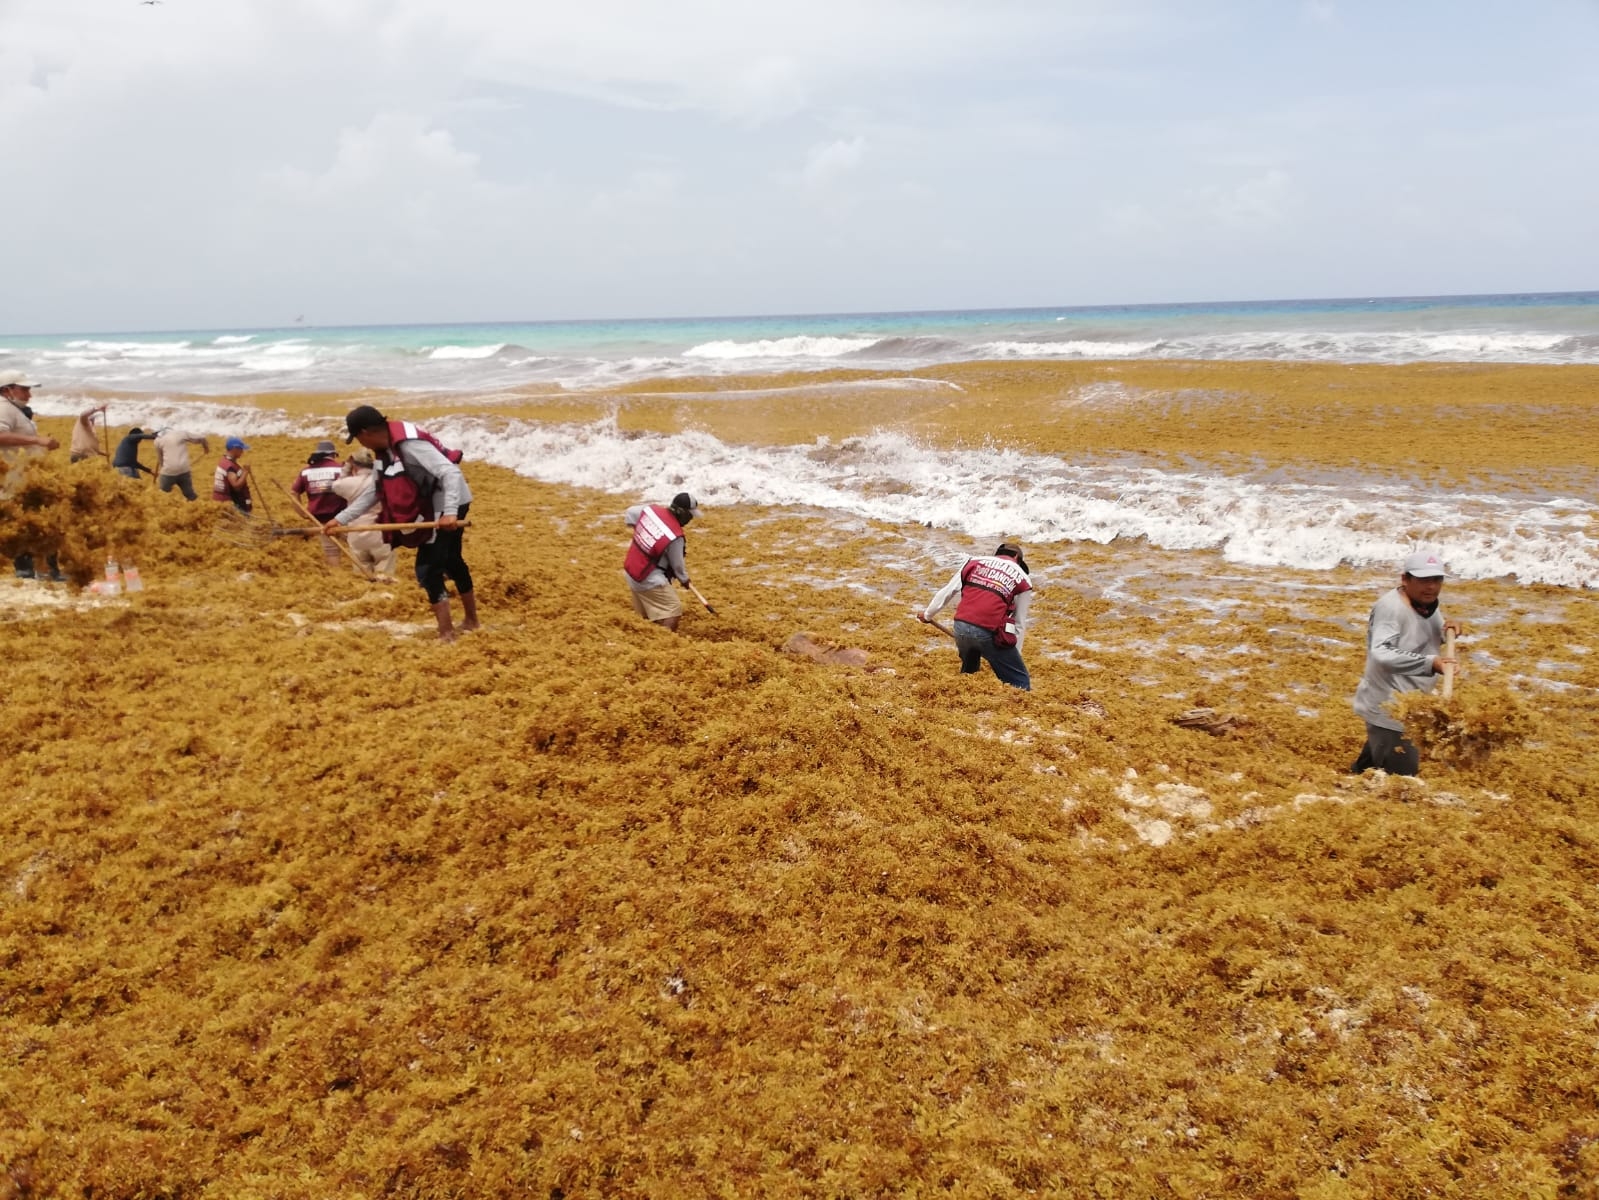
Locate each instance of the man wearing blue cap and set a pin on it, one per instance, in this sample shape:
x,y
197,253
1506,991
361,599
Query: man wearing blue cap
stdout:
x,y
1403,638
232,479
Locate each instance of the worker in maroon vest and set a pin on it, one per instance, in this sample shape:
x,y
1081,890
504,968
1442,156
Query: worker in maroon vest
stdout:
x,y
655,558
416,479
991,620
315,482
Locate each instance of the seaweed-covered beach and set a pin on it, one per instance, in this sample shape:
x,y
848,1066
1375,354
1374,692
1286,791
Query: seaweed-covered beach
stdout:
x,y
296,901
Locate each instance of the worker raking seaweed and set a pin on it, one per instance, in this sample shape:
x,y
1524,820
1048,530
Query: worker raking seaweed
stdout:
x,y
316,482
991,619
655,557
416,480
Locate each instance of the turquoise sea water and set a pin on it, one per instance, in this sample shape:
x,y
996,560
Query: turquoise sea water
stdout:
x,y
494,357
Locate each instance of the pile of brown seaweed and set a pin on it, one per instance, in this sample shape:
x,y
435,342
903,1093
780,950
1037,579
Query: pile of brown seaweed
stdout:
x,y
296,901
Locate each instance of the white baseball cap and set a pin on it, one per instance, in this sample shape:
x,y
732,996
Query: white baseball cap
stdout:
x,y
15,379
1424,564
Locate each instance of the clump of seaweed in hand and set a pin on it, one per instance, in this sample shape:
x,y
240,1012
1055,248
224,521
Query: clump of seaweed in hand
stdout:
x,y
1463,732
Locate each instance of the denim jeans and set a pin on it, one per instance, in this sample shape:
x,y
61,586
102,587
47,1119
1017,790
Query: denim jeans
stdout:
x,y
976,645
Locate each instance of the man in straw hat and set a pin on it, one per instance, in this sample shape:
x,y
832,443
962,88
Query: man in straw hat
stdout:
x,y
991,619
1404,635
370,552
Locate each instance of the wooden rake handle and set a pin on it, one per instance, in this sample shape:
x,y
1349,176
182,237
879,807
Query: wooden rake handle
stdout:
x,y
349,529
1449,667
343,549
938,625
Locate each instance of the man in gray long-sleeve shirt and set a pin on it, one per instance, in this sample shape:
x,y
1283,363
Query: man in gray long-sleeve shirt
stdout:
x,y
1403,638
415,479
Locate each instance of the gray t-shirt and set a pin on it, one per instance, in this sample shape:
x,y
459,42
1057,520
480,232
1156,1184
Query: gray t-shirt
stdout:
x,y
172,451
1400,647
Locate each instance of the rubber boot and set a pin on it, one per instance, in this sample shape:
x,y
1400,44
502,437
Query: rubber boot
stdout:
x,y
441,611
469,612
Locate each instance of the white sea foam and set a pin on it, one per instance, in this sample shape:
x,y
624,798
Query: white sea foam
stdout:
x,y
997,492
204,419
1069,349
466,351
789,347
233,339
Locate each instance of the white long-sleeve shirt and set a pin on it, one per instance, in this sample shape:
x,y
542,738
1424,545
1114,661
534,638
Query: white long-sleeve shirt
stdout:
x,y
951,591
1400,647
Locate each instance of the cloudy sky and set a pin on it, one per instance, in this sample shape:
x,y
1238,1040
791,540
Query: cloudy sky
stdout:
x,y
220,163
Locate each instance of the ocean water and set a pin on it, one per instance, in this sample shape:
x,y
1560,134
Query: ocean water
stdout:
x,y
493,358
1523,529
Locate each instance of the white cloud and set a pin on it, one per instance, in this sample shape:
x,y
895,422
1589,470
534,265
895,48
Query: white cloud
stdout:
x,y
219,160
826,164
1265,199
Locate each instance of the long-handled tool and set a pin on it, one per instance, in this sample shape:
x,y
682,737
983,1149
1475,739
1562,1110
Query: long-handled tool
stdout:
x,y
343,547
260,491
105,428
938,625
349,529
1449,662
700,598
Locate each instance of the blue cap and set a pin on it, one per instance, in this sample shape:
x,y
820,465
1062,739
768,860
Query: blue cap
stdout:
x,y
236,444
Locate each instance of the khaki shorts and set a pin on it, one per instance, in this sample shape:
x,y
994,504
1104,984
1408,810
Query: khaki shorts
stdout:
x,y
657,604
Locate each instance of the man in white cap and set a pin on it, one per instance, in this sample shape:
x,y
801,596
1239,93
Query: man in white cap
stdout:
x,y
1403,638
17,429
20,437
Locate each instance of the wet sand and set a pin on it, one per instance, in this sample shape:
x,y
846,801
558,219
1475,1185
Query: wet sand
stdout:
x,y
296,901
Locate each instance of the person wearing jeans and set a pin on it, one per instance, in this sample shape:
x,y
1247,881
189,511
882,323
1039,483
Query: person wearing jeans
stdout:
x,y
995,593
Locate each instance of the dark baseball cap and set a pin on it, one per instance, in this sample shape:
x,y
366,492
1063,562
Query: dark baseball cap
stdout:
x,y
1012,550
363,416
683,502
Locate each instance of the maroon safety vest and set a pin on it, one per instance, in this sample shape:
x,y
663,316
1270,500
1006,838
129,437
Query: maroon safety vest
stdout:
x,y
222,488
316,485
989,586
656,529
401,500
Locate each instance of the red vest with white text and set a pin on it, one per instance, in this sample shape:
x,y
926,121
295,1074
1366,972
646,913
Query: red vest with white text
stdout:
x,y
222,488
316,485
657,528
402,499
989,585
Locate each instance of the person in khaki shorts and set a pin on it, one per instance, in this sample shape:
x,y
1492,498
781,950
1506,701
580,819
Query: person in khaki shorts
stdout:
x,y
655,558
368,549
